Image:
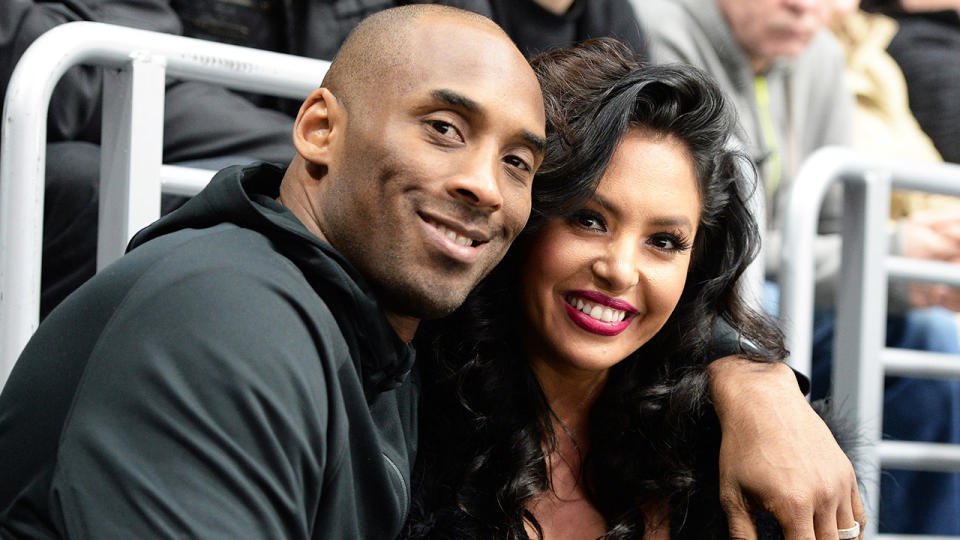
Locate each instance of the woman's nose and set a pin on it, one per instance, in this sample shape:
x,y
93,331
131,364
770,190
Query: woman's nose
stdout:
x,y
618,269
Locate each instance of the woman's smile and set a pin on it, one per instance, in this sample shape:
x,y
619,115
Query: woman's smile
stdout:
x,y
597,313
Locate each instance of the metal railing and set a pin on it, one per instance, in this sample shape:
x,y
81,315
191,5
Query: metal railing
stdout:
x,y
137,63
860,358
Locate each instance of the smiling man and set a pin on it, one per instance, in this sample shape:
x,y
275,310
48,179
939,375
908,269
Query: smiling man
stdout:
x,y
244,372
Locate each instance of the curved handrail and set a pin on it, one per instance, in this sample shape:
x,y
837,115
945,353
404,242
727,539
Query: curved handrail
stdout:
x,y
818,172
24,133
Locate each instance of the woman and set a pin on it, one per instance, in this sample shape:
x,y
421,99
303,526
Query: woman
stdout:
x,y
570,395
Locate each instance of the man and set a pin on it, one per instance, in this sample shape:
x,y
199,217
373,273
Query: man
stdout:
x,y
244,371
209,126
784,72
205,125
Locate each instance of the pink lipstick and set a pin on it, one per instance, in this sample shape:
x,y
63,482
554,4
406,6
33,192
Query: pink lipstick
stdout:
x,y
597,326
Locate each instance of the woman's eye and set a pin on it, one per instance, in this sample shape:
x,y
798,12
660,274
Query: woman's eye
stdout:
x,y
669,242
590,220
664,244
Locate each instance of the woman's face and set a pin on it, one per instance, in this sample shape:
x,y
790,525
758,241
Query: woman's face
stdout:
x,y
600,283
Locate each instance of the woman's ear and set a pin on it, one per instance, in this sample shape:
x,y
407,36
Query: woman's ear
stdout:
x,y
318,127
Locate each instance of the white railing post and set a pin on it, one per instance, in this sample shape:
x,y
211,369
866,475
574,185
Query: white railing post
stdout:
x,y
796,275
131,152
861,322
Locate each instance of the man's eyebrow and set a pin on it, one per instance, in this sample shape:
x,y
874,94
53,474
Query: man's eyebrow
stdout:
x,y
456,99
460,101
537,142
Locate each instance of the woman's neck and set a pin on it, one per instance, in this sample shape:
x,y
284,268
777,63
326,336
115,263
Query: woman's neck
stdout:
x,y
565,511
570,394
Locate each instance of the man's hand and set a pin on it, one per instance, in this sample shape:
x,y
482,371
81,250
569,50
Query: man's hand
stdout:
x,y
932,235
776,454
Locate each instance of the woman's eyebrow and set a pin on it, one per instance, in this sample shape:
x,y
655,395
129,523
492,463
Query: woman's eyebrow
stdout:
x,y
659,221
672,221
605,203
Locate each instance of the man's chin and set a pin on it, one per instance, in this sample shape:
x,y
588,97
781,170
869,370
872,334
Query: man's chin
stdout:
x,y
425,303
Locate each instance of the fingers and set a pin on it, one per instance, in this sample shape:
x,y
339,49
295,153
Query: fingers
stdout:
x,y
827,522
739,519
940,218
950,230
741,526
859,515
796,523
845,518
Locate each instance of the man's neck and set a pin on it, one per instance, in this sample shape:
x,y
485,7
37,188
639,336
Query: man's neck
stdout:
x,y
557,7
404,325
760,66
294,196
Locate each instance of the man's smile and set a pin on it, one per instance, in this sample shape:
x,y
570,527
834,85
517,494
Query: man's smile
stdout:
x,y
454,239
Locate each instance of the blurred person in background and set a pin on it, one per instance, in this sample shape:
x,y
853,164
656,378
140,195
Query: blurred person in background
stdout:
x,y
927,48
784,73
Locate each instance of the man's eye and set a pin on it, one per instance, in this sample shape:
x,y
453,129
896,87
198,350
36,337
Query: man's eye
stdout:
x,y
517,162
445,128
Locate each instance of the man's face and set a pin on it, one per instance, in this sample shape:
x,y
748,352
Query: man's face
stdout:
x,y
434,179
771,29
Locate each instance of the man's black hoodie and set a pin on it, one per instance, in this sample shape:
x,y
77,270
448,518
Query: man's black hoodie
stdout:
x,y
230,377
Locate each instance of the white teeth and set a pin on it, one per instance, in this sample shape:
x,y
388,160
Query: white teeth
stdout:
x,y
454,237
597,311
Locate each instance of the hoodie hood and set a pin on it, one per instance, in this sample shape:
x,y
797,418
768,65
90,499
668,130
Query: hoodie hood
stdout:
x,y
245,196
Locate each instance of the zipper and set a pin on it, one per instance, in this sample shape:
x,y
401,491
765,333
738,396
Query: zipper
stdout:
x,y
403,483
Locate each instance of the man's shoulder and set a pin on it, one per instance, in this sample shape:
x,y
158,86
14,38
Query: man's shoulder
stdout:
x,y
823,46
223,266
674,33
211,284
663,18
819,72
246,261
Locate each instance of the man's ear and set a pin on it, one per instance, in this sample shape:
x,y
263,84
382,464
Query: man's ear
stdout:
x,y
318,127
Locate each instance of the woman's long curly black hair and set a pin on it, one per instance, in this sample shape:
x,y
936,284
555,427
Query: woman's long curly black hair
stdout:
x,y
654,438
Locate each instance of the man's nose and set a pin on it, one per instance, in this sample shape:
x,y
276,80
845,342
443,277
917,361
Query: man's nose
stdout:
x,y
618,269
477,183
805,5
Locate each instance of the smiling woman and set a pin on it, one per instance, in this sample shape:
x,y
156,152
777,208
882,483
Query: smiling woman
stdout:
x,y
568,397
